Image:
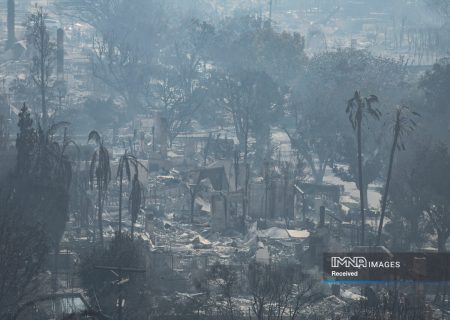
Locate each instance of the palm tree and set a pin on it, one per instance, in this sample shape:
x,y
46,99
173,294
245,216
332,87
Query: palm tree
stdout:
x,y
100,172
402,125
136,200
126,162
358,108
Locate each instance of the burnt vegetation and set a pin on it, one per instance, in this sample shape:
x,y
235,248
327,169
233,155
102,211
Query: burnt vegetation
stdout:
x,y
194,159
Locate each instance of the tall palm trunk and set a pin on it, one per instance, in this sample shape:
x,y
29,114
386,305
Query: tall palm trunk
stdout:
x,y
357,107
388,181
192,206
100,213
414,232
42,80
55,267
441,241
120,202
247,173
366,197
360,177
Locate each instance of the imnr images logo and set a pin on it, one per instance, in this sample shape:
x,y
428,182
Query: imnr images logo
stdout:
x,y
349,262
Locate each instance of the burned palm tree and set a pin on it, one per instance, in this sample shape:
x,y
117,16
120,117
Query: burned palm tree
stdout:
x,y
99,175
402,124
358,108
136,200
127,162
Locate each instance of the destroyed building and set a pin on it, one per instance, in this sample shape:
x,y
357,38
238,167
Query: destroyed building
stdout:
x,y
197,159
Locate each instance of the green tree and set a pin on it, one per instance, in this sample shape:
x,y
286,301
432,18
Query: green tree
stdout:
x,y
359,108
4,133
103,111
406,199
402,125
183,76
121,60
436,111
246,42
44,174
317,93
24,249
253,101
372,160
435,182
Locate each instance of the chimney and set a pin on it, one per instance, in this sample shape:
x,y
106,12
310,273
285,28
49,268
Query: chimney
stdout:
x,y
336,290
60,54
161,133
11,24
164,136
322,216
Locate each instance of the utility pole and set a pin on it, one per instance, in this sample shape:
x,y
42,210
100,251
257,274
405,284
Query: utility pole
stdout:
x,y
270,11
236,169
11,38
120,282
153,139
60,54
267,185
